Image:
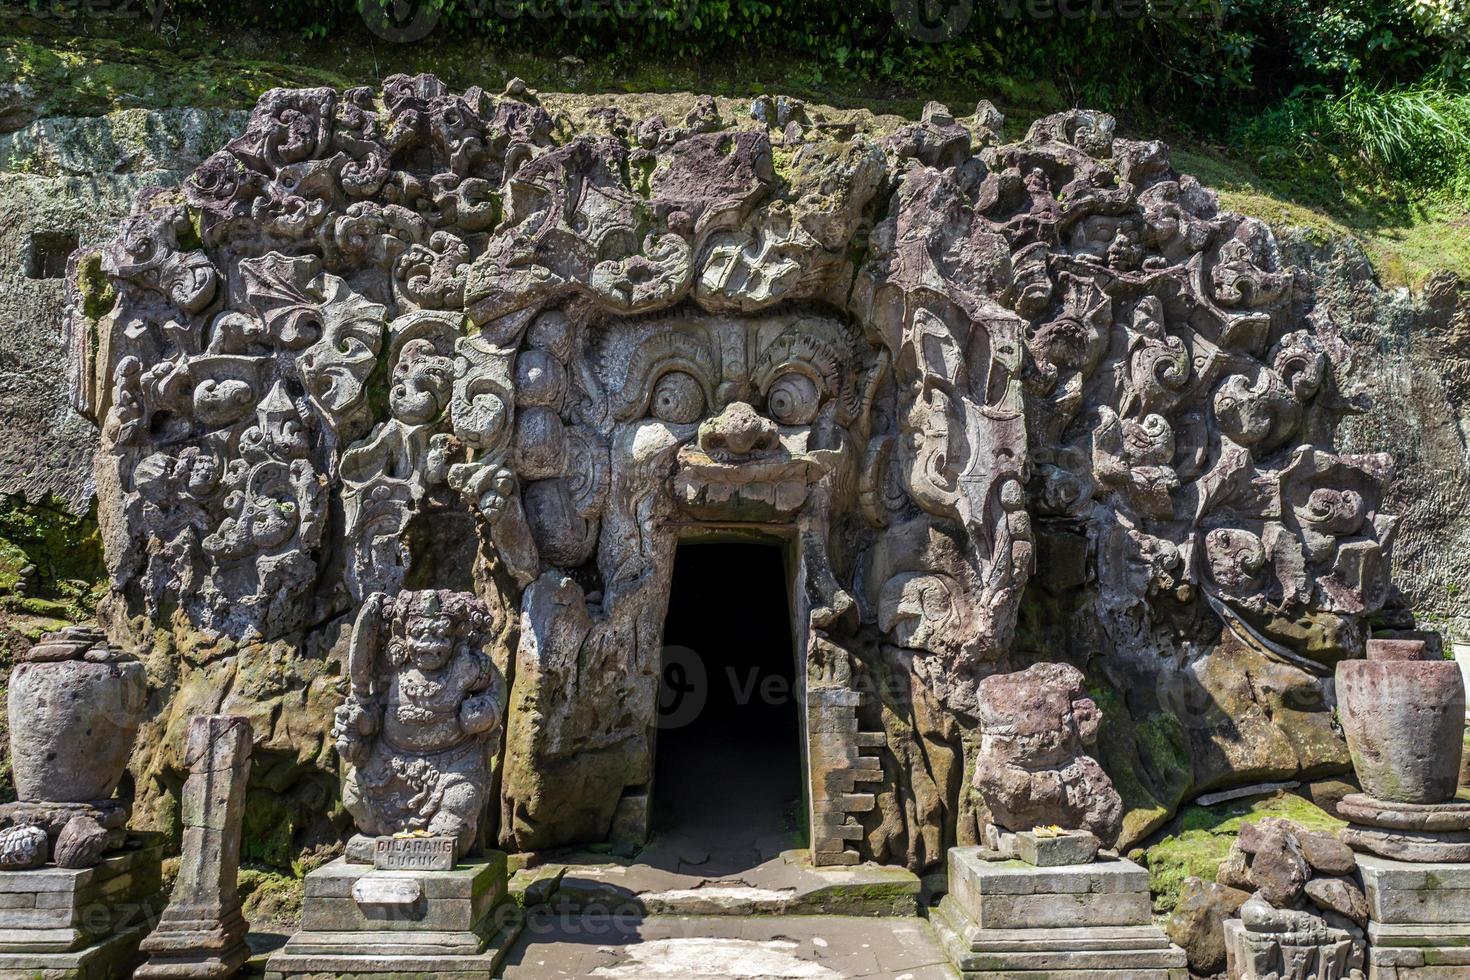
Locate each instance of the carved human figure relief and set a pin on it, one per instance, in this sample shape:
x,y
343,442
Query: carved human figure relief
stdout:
x,y
423,717
402,342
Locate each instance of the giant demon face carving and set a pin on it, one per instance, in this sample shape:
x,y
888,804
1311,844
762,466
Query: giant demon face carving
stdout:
x,y
762,407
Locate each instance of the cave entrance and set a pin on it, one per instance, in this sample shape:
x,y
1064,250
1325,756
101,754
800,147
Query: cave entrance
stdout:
x,y
728,767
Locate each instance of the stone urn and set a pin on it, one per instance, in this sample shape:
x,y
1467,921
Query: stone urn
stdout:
x,y
75,705
1403,712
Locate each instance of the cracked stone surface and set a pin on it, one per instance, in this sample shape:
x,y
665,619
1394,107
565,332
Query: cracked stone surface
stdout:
x,y
1012,402
765,948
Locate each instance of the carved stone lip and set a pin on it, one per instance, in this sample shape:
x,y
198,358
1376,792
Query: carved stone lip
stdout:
x,y
773,485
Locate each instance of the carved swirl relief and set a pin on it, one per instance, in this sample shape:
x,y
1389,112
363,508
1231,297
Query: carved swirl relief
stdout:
x,y
377,311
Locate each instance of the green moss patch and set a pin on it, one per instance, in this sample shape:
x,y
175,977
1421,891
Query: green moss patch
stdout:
x,y
1197,841
50,561
1148,760
270,896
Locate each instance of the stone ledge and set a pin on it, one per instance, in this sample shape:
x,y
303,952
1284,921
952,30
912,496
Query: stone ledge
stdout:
x,y
363,960
787,885
1421,936
1130,953
106,960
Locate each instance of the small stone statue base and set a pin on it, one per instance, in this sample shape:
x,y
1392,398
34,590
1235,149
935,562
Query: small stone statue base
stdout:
x,y
1009,920
359,921
1434,833
110,815
1266,943
80,923
1419,923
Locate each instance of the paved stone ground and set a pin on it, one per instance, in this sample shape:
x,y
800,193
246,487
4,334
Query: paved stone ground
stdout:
x,y
807,947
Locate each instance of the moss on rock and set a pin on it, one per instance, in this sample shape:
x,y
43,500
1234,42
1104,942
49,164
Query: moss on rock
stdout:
x,y
1197,841
270,896
1148,761
50,560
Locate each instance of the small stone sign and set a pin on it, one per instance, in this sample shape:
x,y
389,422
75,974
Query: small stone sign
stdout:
x,y
414,854
387,891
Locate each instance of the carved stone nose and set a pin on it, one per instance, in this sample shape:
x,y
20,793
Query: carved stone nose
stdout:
x,y
738,431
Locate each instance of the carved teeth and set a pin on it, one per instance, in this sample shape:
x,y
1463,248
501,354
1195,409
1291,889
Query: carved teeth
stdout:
x,y
789,495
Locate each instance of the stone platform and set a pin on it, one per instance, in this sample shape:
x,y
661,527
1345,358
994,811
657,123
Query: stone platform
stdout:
x,y
80,923
726,947
357,921
1420,919
658,882
1008,920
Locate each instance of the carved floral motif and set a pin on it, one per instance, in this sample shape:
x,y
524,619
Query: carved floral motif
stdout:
x,y
405,337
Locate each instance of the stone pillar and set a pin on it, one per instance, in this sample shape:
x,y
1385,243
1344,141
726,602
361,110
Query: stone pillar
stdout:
x,y
202,933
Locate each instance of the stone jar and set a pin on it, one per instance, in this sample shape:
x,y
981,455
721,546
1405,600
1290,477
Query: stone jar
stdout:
x,y
72,724
1403,712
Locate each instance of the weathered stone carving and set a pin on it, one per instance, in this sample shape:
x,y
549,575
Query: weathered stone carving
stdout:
x,y
79,891
405,339
1403,711
422,718
1308,915
1033,769
75,704
202,931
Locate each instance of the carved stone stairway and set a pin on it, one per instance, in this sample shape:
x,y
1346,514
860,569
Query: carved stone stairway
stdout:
x,y
838,764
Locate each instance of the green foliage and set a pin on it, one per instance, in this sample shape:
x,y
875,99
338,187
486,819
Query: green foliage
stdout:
x,y
1416,135
1370,86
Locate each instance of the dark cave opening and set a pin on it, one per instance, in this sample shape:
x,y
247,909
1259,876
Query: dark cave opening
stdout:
x,y
729,748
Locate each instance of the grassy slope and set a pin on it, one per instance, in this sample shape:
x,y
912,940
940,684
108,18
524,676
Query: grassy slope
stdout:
x,y
93,66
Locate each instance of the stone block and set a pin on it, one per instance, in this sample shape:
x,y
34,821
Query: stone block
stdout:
x,y
1075,847
1417,953
357,920
65,910
1010,919
108,959
1013,894
1139,952
80,924
1401,892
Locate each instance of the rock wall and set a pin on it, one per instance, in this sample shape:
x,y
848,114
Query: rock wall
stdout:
x,y
64,185
1223,708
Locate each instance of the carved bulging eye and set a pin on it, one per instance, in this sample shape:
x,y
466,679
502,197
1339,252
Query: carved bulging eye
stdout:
x,y
793,400
677,398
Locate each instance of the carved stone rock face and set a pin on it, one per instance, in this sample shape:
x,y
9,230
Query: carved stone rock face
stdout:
x,y
406,338
1033,769
763,408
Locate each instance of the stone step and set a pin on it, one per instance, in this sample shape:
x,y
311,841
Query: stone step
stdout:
x,y
788,885
727,948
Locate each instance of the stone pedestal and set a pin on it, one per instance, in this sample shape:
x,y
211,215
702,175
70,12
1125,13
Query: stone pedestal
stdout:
x,y
1008,920
1420,919
79,923
358,921
1434,833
